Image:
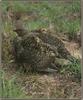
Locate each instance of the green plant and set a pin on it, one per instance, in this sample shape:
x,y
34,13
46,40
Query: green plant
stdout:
x,y
74,68
9,88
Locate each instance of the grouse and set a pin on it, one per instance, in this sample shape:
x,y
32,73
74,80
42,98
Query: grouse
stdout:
x,y
42,51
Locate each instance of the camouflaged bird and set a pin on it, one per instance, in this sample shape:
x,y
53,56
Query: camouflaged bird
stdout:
x,y
41,50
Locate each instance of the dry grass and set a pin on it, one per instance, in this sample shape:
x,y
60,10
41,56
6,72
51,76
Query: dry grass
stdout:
x,y
38,85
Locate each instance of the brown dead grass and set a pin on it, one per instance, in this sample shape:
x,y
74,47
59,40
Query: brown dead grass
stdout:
x,y
38,85
74,49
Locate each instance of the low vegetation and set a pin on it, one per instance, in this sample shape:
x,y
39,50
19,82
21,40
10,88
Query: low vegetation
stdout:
x,y
9,88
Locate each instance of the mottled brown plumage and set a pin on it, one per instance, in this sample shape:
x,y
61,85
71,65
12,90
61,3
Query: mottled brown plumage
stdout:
x,y
40,50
